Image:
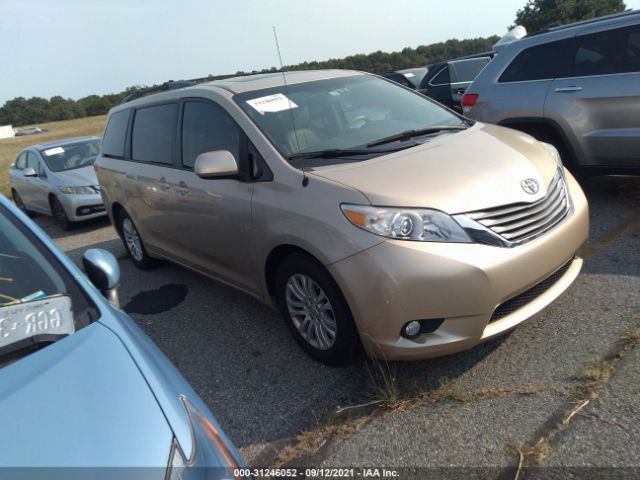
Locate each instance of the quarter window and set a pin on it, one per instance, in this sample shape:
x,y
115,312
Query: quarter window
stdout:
x,y
542,62
152,138
115,134
207,127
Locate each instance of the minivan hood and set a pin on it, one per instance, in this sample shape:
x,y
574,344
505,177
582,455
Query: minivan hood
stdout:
x,y
474,169
81,402
78,177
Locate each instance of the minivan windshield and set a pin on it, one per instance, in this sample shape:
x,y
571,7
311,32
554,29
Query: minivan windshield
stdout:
x,y
40,301
71,155
342,115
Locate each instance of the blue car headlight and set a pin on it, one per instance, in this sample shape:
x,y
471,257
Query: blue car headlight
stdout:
x,y
210,455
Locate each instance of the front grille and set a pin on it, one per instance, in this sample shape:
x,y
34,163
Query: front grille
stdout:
x,y
516,303
520,222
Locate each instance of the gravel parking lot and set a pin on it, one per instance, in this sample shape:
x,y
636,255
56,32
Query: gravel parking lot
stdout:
x,y
561,390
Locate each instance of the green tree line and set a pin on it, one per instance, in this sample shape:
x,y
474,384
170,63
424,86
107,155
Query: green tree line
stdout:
x,y
26,111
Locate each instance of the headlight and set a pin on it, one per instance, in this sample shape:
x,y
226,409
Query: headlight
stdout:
x,y
421,225
78,190
210,451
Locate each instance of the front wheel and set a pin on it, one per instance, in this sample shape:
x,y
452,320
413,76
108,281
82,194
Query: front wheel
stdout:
x,y
57,210
315,311
133,243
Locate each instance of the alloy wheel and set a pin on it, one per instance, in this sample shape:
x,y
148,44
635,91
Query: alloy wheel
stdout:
x,y
311,311
132,239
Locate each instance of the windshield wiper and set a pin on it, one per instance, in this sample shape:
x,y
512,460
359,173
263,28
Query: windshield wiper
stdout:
x,y
332,153
415,133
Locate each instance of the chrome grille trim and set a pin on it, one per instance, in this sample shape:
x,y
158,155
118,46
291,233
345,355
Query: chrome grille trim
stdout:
x,y
522,222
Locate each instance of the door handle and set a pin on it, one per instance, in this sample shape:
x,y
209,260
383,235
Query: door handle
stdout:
x,y
567,89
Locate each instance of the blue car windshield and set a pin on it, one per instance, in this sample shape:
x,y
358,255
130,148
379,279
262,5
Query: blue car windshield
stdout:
x,y
71,156
36,292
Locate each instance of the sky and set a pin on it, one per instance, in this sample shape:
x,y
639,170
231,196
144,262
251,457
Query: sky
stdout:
x,y
76,48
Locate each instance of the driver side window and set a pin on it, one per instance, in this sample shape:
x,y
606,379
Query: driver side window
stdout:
x,y
21,162
34,162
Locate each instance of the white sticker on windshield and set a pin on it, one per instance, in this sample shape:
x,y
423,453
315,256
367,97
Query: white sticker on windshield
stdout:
x,y
408,74
272,104
54,151
49,316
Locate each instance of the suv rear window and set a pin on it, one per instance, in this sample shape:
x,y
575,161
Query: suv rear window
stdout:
x,y
154,131
542,62
115,134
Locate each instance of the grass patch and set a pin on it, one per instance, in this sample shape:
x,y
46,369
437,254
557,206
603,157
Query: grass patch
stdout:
x,y
10,147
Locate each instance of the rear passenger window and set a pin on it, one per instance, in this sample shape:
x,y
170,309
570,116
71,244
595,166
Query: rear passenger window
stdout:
x,y
608,52
115,134
542,62
207,127
441,78
152,138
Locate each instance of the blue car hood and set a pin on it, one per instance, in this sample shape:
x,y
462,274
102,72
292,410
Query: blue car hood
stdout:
x,y
81,402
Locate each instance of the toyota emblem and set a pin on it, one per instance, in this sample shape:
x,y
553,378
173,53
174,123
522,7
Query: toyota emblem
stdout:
x,y
530,186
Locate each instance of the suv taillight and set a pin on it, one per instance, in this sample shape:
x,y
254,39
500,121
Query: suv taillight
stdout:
x,y
469,100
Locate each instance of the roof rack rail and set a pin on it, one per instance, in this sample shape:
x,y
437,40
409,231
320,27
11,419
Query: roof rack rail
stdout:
x,y
170,85
626,13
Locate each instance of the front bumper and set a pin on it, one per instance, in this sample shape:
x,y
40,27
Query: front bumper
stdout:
x,y
398,281
82,207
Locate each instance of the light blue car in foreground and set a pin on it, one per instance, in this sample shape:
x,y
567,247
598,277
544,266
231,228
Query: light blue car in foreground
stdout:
x,y
84,392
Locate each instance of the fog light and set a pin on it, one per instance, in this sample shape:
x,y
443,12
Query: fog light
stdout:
x,y
412,329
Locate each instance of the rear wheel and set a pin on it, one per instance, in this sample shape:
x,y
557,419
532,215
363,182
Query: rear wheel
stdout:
x,y
57,210
20,204
133,243
315,311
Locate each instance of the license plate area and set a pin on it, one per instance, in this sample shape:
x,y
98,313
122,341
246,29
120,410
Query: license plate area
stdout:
x,y
37,321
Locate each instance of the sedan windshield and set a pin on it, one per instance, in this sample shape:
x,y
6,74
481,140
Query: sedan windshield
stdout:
x,y
347,113
39,300
72,155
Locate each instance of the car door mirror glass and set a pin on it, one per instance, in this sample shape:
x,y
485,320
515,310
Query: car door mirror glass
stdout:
x,y
29,172
216,164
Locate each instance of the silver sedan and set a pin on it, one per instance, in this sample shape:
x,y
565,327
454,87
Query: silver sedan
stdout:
x,y
57,178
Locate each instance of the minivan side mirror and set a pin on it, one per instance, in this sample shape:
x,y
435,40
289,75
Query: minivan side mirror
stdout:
x,y
29,172
103,270
216,164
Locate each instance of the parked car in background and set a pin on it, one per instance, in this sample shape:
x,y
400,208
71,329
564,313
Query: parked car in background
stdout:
x,y
575,86
409,77
57,178
29,131
447,81
363,210
81,386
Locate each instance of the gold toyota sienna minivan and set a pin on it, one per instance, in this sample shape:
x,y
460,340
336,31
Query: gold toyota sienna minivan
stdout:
x,y
366,212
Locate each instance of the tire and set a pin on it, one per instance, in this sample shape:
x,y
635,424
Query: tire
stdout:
x,y
57,210
133,243
17,199
324,311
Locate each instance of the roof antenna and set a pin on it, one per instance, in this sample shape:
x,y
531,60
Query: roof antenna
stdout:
x,y
305,179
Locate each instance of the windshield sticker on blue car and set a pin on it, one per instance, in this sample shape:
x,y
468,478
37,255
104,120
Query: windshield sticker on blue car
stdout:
x,y
54,151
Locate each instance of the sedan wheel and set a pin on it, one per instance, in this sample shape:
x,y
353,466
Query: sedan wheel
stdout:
x,y
60,215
